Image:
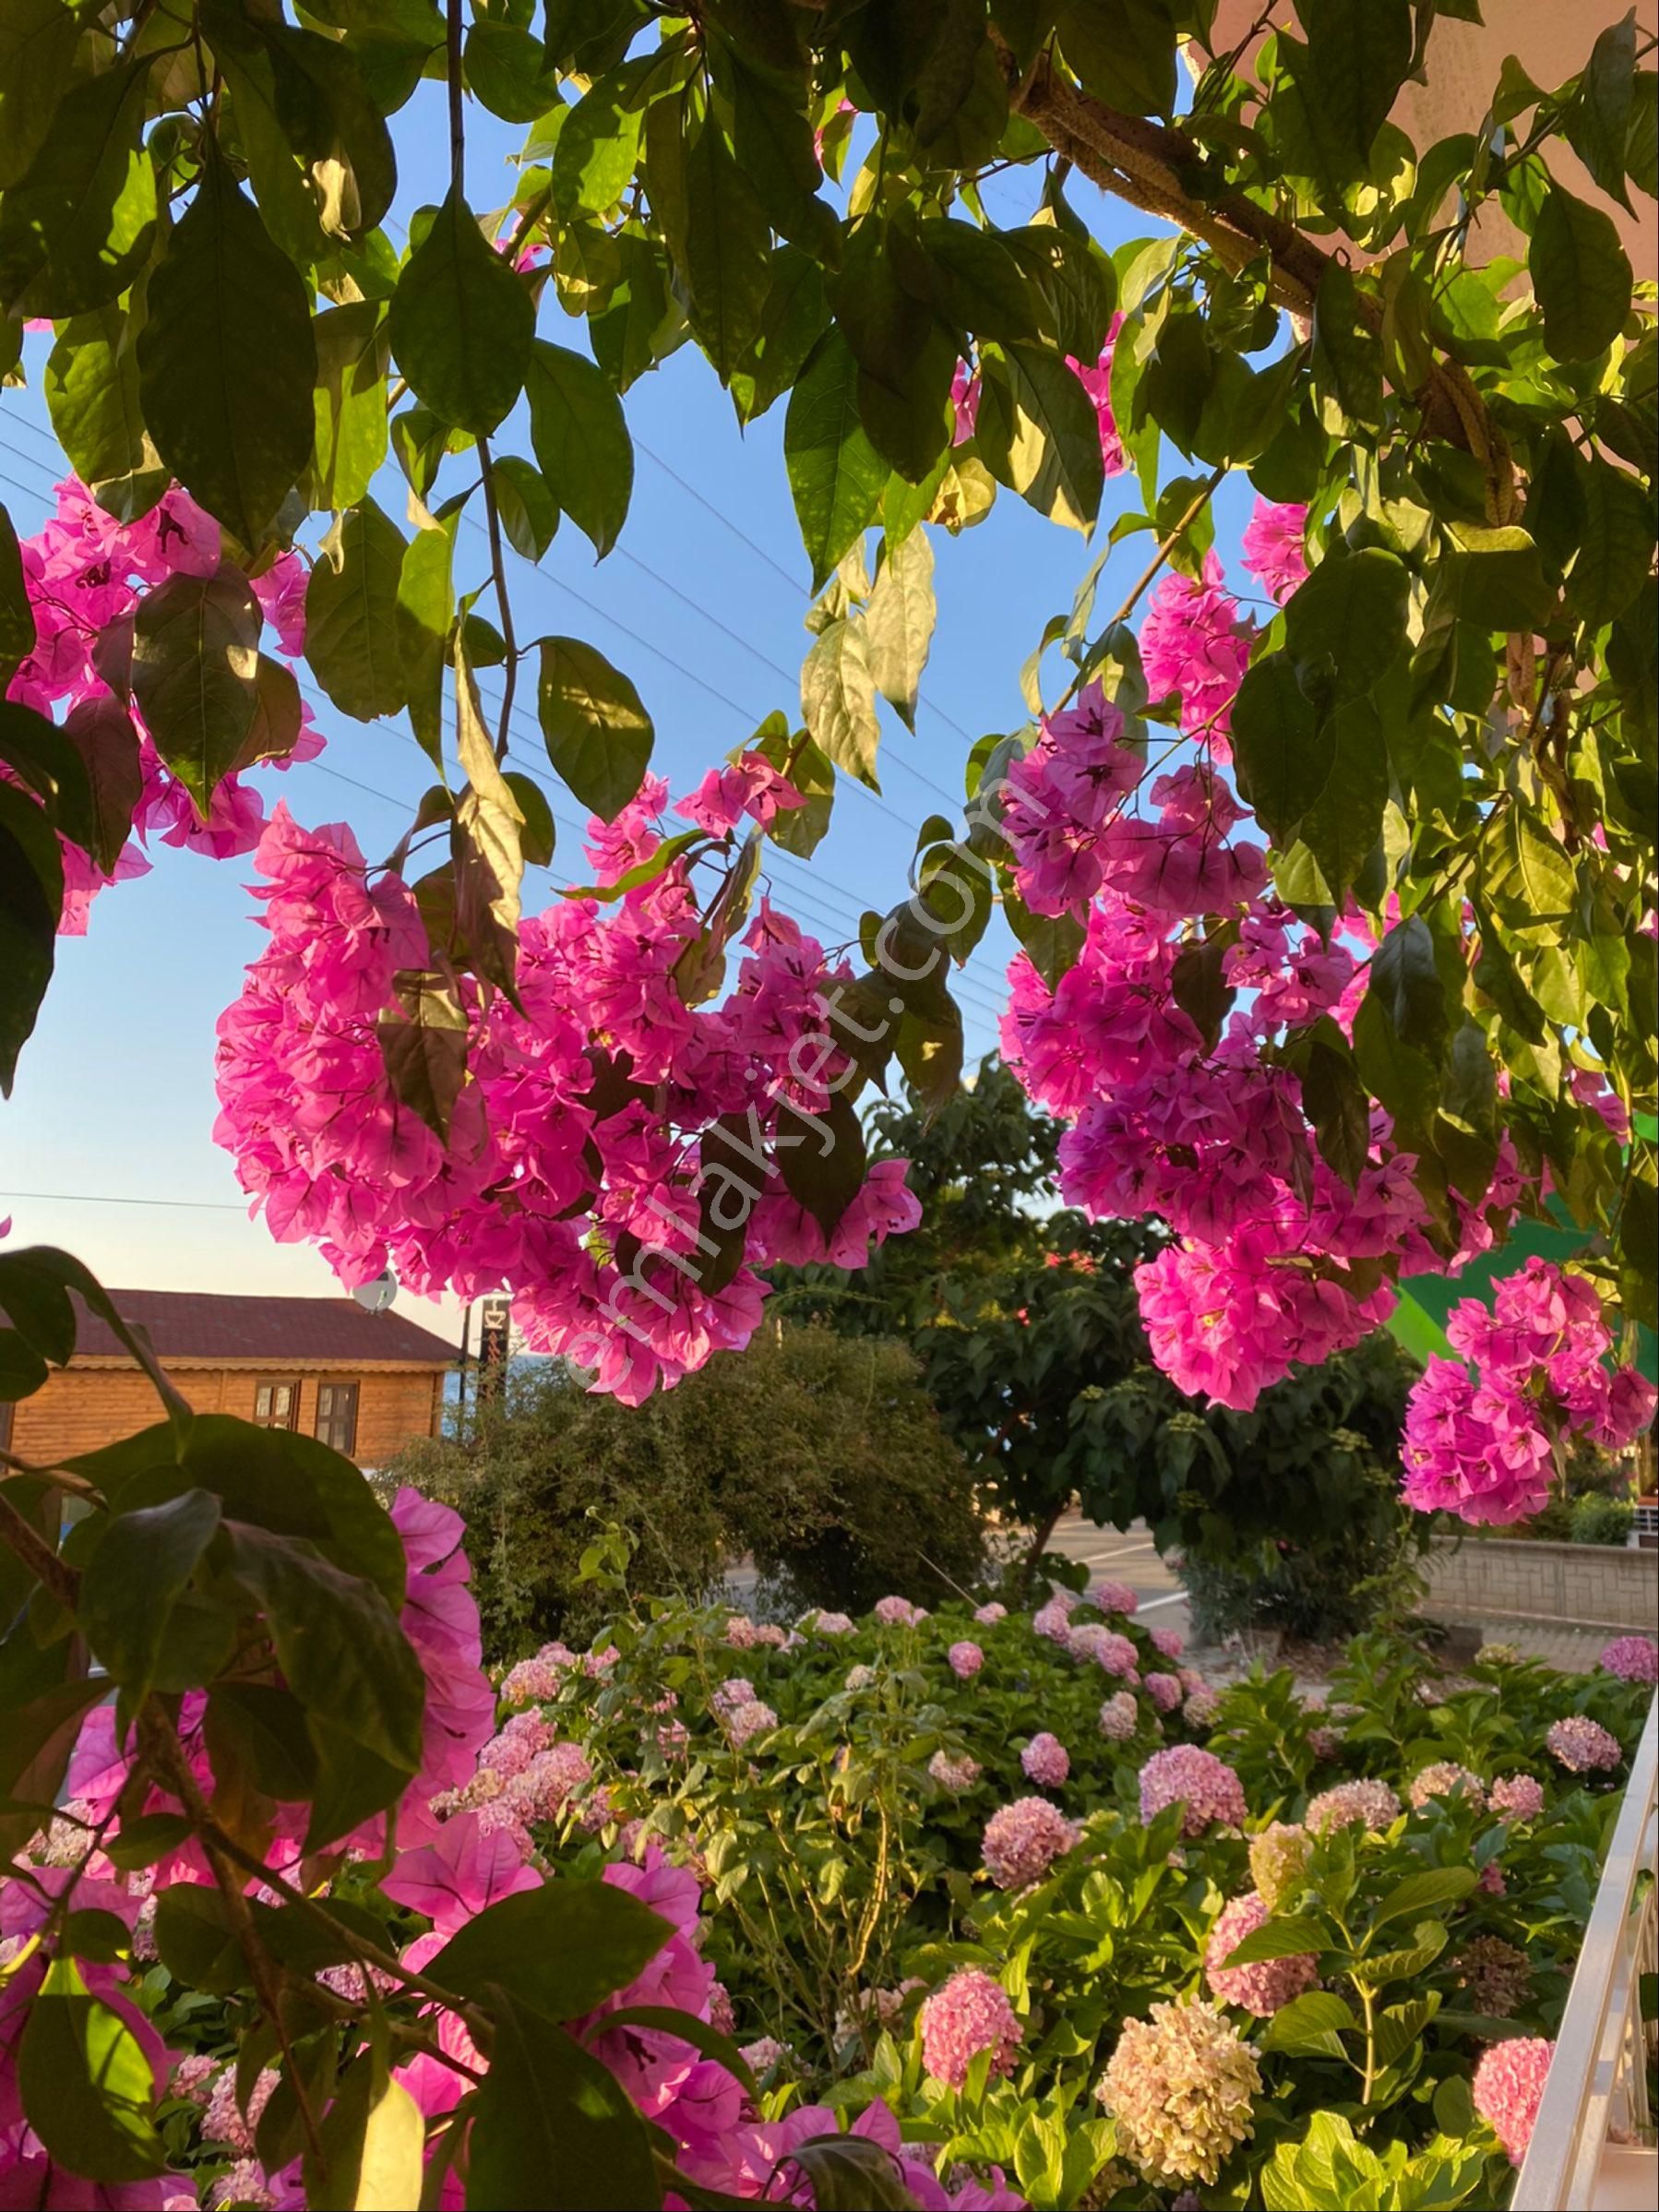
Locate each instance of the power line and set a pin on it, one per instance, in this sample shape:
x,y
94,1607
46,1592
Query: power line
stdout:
x,y
106,1198
725,521
825,893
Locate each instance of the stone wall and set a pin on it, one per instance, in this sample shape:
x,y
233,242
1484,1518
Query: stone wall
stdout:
x,y
1599,1584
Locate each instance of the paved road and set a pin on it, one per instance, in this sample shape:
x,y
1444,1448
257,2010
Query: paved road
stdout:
x,y
1125,1555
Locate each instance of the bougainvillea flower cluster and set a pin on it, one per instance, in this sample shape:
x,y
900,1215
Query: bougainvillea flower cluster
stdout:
x,y
571,1172
1275,1259
85,574
1483,1444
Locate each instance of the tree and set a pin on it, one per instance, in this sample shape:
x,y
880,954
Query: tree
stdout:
x,y
1024,1317
1362,1042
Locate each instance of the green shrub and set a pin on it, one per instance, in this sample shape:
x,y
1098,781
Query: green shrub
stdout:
x,y
1597,1520
821,1457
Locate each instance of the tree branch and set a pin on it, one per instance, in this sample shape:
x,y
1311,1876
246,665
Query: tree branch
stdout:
x,y
1146,163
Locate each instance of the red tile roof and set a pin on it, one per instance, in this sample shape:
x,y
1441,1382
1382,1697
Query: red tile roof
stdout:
x,y
199,1325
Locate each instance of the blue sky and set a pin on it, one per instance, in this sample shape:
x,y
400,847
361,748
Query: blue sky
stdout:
x,y
700,602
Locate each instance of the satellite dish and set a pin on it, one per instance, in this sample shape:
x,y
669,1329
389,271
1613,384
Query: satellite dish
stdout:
x,y
376,1296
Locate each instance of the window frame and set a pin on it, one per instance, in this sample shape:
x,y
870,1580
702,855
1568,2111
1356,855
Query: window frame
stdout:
x,y
325,1422
274,1383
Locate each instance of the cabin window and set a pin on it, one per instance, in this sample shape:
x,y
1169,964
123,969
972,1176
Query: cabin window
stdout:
x,y
276,1404
337,1416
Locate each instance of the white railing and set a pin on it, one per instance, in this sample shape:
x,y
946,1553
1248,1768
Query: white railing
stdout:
x,y
1593,2140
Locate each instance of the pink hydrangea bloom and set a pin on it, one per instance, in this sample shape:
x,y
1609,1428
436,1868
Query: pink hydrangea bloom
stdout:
x,y
1517,1796
989,1615
1261,1988
1207,1786
1371,1803
1114,1597
1445,1778
1168,1641
1112,1653
1509,2088
1491,1882
969,2014
1633,1659
1582,1745
1324,1743
966,1660
1164,1690
831,1625
1202,1705
899,1612
1045,1761
1119,1717
956,1777
747,1721
1022,1841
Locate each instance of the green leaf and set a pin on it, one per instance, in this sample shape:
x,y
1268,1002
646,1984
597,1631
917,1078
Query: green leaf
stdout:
x,y
1347,360
1346,622
1580,275
898,623
1038,433
1598,121
461,324
598,733
851,2173
1524,874
1497,577
1616,547
553,2127
142,1562
1076,281
529,512
40,755
352,355
85,2085
91,386
291,1484
1285,1935
1334,1100
1405,983
581,440
1342,826
1198,987
1124,50
1284,752
76,226
36,1740
227,361
506,67
374,2134
343,1655
562,1948
424,1046
1310,2023
728,251
195,652
636,323
352,614
1436,1885
838,699
835,473
1349,74
101,732
821,1157
425,612
37,47
978,284
485,850
34,1290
